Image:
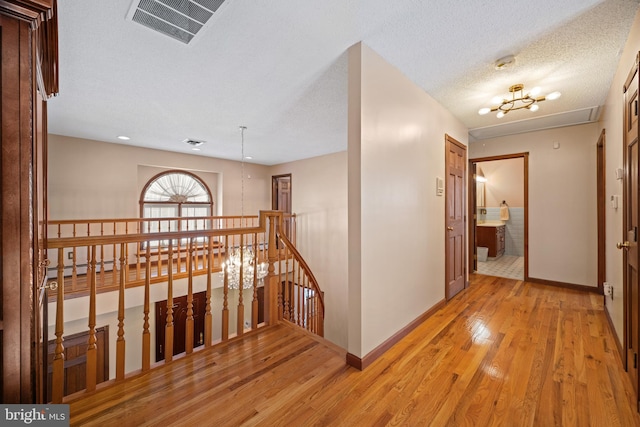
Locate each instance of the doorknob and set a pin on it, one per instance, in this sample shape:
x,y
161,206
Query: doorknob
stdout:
x,y
624,245
450,228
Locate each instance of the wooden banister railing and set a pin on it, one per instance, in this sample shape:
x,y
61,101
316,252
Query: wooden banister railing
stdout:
x,y
106,234
300,299
290,291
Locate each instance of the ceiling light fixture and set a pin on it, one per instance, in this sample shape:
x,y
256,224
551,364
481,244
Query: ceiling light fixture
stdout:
x,y
124,138
242,268
518,101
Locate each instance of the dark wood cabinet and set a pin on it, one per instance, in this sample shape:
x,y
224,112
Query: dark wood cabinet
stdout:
x,y
491,237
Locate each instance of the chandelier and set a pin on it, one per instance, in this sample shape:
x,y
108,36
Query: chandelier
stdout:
x,y
519,100
242,260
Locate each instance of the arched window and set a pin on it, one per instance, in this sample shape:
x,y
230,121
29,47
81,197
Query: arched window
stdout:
x,y
175,194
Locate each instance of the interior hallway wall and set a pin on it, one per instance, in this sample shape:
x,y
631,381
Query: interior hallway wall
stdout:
x,y
396,150
612,121
562,199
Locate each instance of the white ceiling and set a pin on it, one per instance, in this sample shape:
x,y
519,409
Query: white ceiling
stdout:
x,y
279,67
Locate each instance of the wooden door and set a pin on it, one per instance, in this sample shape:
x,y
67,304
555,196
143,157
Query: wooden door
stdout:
x,y
456,160
281,199
179,323
630,223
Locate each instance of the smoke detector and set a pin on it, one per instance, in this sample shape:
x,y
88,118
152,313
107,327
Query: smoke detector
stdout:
x,y
504,62
179,19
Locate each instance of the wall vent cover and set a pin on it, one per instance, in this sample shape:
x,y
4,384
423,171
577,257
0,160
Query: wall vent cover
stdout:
x,y
179,19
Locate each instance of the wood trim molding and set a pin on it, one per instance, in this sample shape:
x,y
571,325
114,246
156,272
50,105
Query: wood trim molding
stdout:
x,y
472,209
615,336
582,288
362,363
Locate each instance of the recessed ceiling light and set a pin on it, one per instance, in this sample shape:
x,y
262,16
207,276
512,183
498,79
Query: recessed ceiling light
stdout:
x,y
124,138
195,149
248,157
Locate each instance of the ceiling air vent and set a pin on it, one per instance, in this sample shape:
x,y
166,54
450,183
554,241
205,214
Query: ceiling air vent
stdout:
x,y
180,19
193,142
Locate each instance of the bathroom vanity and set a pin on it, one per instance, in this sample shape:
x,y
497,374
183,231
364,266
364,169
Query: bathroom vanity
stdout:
x,y
491,235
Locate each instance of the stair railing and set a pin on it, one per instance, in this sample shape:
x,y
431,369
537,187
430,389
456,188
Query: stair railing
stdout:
x,y
291,292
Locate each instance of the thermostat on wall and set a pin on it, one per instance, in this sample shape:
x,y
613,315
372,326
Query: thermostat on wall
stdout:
x,y
439,186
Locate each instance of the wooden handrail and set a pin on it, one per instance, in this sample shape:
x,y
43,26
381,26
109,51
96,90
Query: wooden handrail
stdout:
x,y
188,253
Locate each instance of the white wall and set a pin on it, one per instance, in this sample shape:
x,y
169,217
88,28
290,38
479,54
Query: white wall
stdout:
x,y
91,179
612,121
319,199
562,199
396,150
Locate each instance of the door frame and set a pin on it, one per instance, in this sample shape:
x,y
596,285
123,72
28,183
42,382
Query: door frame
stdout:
x,y
473,213
632,78
601,166
465,273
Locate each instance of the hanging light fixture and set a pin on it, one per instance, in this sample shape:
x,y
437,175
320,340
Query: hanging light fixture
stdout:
x,y
519,100
241,260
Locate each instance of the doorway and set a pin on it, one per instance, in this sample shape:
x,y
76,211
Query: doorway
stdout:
x,y
281,200
498,204
631,222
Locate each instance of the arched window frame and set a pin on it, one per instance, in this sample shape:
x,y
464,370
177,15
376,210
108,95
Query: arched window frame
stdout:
x,y
177,208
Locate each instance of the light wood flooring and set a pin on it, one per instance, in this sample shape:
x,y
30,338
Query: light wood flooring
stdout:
x,y
503,352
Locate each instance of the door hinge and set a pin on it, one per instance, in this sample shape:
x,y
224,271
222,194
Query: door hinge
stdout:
x,y
635,360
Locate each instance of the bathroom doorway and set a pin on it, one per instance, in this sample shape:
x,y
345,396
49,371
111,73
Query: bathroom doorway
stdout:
x,y
498,202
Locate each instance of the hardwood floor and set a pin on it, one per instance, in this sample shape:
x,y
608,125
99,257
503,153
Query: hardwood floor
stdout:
x,y
503,352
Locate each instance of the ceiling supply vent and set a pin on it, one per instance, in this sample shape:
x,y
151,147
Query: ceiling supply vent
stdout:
x,y
193,142
180,19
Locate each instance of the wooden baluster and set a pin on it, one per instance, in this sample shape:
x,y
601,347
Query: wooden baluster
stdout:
x,y
254,302
208,319
188,345
138,256
168,337
92,354
271,312
179,242
74,269
120,342
300,296
102,265
225,296
240,318
57,383
114,270
126,263
146,335
286,306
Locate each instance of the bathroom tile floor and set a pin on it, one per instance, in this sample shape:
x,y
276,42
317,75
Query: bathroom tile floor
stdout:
x,y
508,266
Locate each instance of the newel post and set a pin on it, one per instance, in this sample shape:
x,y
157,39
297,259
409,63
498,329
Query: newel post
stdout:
x,y
271,281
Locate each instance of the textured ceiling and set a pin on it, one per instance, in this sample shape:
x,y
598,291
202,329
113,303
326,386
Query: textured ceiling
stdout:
x,y
279,67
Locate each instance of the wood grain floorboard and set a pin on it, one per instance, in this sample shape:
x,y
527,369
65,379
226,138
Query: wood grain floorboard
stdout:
x,y
502,353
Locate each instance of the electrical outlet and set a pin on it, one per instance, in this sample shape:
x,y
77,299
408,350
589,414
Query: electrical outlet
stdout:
x,y
608,289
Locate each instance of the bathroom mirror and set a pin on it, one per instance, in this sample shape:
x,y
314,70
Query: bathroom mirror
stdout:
x,y
480,194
